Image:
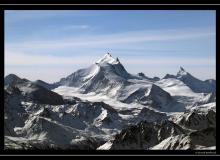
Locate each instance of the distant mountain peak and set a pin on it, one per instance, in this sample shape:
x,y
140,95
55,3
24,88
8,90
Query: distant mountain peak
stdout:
x,y
182,71
13,76
12,79
109,54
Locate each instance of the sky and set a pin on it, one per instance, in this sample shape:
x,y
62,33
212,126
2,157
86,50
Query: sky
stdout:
x,y
50,45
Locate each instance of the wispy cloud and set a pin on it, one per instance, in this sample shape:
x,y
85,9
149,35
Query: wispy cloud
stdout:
x,y
194,61
24,59
70,27
114,39
52,68
33,15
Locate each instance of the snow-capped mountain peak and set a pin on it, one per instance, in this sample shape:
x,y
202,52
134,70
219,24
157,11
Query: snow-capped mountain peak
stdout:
x,y
182,72
192,82
106,59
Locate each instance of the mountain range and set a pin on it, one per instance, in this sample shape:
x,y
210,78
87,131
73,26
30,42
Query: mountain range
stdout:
x,y
105,107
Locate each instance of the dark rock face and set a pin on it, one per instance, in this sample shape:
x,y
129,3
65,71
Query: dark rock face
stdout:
x,y
197,121
135,137
45,84
197,85
145,135
12,79
152,116
31,91
199,130
87,143
44,96
204,137
38,94
169,76
159,97
195,140
14,114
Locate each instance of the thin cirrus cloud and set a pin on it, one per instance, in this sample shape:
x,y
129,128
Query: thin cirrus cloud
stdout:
x,y
70,27
24,59
115,39
21,53
170,60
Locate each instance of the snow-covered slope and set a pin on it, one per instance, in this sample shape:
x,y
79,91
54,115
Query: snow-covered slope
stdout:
x,y
106,73
195,84
155,97
180,91
108,77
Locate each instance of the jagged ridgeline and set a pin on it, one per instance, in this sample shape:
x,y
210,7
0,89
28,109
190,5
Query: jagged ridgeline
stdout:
x,y
104,107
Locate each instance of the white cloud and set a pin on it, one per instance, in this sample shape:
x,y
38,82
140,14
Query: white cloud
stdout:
x,y
194,61
126,38
24,59
69,27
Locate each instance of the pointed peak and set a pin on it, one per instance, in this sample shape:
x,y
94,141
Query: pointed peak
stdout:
x,y
182,69
106,59
109,54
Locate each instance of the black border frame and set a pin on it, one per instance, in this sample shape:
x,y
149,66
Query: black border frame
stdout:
x,y
108,7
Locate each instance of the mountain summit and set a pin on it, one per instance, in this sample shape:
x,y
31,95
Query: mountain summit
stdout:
x,y
181,72
106,72
192,82
107,59
12,79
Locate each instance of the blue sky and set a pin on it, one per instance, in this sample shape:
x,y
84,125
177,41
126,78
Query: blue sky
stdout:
x,y
49,45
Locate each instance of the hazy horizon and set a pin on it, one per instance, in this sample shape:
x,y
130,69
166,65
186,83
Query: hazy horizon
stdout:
x,y
50,45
